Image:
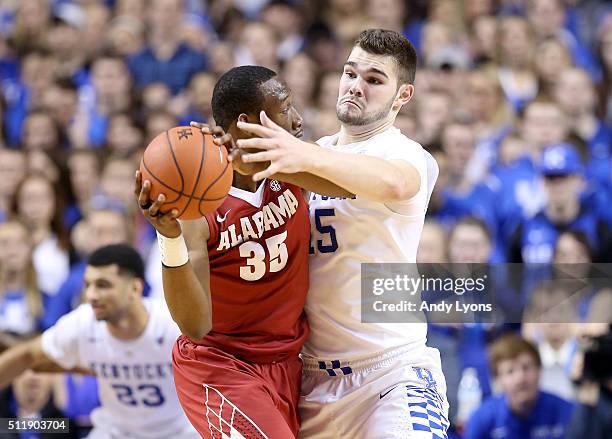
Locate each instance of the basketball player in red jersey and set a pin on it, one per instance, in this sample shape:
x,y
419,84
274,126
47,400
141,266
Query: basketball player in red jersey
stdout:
x,y
239,299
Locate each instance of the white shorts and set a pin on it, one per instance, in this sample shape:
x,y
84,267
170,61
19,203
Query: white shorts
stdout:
x,y
383,397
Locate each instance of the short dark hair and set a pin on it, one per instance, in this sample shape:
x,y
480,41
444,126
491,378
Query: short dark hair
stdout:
x,y
129,260
393,44
239,91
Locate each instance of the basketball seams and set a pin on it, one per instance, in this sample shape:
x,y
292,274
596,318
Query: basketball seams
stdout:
x,y
178,167
144,163
195,184
221,174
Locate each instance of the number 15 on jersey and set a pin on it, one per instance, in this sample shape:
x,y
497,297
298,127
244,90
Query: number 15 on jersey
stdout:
x,y
323,237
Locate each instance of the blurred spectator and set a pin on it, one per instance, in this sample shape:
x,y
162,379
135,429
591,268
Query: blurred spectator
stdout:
x,y
460,196
93,28
200,95
594,301
165,58
285,19
482,39
102,227
548,322
21,303
31,22
12,170
157,123
522,411
516,51
258,46
64,41
126,35
41,210
108,93
576,94
27,93
34,399
124,136
547,18
551,58
84,168
61,101
605,88
534,239
40,132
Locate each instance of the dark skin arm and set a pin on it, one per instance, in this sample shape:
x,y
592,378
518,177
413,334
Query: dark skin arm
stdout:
x,y
307,181
186,288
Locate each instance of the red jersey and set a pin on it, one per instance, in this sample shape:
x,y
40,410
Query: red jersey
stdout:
x,y
258,253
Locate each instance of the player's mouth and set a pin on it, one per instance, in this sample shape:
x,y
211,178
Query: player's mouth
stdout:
x,y
299,133
349,101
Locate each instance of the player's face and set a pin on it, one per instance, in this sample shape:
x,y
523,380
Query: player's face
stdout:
x,y
107,291
278,105
368,90
518,378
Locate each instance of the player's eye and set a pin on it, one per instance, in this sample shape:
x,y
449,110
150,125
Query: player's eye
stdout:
x,y
350,74
374,81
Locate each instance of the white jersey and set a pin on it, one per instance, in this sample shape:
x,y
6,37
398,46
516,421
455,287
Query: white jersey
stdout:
x,y
135,381
347,232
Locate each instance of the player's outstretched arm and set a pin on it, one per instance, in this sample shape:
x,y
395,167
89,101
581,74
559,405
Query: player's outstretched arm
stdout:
x,y
19,358
310,182
185,270
370,177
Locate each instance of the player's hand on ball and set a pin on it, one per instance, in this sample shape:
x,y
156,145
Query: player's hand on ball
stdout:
x,y
164,223
285,153
234,153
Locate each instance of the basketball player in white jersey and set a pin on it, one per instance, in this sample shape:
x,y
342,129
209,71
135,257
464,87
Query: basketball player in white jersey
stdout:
x,y
363,380
125,340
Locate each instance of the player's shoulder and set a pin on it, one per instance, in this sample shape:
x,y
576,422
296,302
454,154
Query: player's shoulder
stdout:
x,y
81,320
328,141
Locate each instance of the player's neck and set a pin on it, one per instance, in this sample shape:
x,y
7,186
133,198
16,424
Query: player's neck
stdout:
x,y
354,134
245,182
131,324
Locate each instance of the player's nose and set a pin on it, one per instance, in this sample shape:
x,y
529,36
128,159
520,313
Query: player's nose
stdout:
x,y
356,88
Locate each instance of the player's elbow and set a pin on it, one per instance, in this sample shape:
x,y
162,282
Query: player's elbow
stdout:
x,y
400,189
196,331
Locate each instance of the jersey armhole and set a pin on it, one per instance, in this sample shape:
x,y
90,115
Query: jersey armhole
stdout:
x,y
212,227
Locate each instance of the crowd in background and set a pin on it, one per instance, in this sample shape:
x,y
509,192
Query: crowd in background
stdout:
x,y
513,98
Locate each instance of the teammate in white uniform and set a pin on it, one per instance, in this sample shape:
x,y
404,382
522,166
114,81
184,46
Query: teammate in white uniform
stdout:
x,y
363,380
125,340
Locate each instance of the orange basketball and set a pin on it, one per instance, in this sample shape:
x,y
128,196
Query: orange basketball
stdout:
x,y
189,169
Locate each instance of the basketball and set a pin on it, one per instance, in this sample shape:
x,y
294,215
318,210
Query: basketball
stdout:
x,y
189,169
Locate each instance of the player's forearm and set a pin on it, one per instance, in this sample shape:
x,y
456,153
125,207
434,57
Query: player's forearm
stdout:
x,y
314,183
369,177
13,362
188,300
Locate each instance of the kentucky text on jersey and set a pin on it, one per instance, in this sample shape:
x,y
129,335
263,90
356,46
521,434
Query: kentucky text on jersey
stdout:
x,y
132,371
271,216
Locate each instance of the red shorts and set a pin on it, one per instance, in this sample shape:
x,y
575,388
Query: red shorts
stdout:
x,y
222,395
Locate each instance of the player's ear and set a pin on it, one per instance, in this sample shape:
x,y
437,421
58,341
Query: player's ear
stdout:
x,y
404,94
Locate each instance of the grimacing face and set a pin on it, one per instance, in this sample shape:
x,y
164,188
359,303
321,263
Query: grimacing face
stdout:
x,y
278,105
368,90
109,292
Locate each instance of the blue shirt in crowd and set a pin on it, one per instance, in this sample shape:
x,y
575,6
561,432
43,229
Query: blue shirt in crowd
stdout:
x,y
494,419
175,72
